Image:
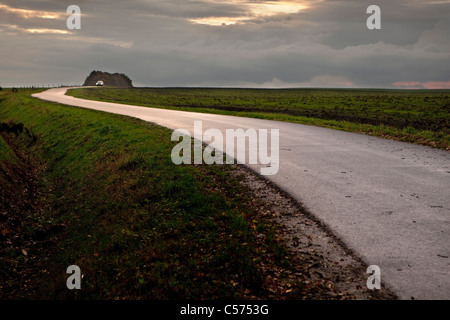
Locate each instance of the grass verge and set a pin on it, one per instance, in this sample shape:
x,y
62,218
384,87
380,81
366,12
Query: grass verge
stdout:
x,y
416,116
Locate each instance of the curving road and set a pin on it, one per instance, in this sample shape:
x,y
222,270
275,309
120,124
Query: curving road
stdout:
x,y
388,201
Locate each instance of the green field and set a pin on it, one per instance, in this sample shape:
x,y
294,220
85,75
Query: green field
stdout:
x,y
100,191
417,116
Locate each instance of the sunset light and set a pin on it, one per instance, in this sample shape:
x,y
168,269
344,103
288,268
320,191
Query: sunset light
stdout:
x,y
55,31
28,14
254,10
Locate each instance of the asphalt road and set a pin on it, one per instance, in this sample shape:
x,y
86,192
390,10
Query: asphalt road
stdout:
x,y
388,201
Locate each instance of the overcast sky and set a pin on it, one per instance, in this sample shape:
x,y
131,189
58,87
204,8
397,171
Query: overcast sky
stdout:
x,y
234,43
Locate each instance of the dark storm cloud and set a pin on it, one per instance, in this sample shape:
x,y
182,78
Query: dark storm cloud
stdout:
x,y
157,44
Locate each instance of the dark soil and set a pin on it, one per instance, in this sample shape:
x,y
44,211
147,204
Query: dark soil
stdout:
x,y
26,241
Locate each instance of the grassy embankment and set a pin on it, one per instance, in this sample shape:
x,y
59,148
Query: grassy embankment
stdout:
x,y
103,194
417,116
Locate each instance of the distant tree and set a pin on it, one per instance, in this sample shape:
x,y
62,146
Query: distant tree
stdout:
x,y
109,79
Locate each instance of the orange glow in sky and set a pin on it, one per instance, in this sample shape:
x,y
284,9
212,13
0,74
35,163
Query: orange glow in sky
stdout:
x,y
27,14
254,10
423,85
